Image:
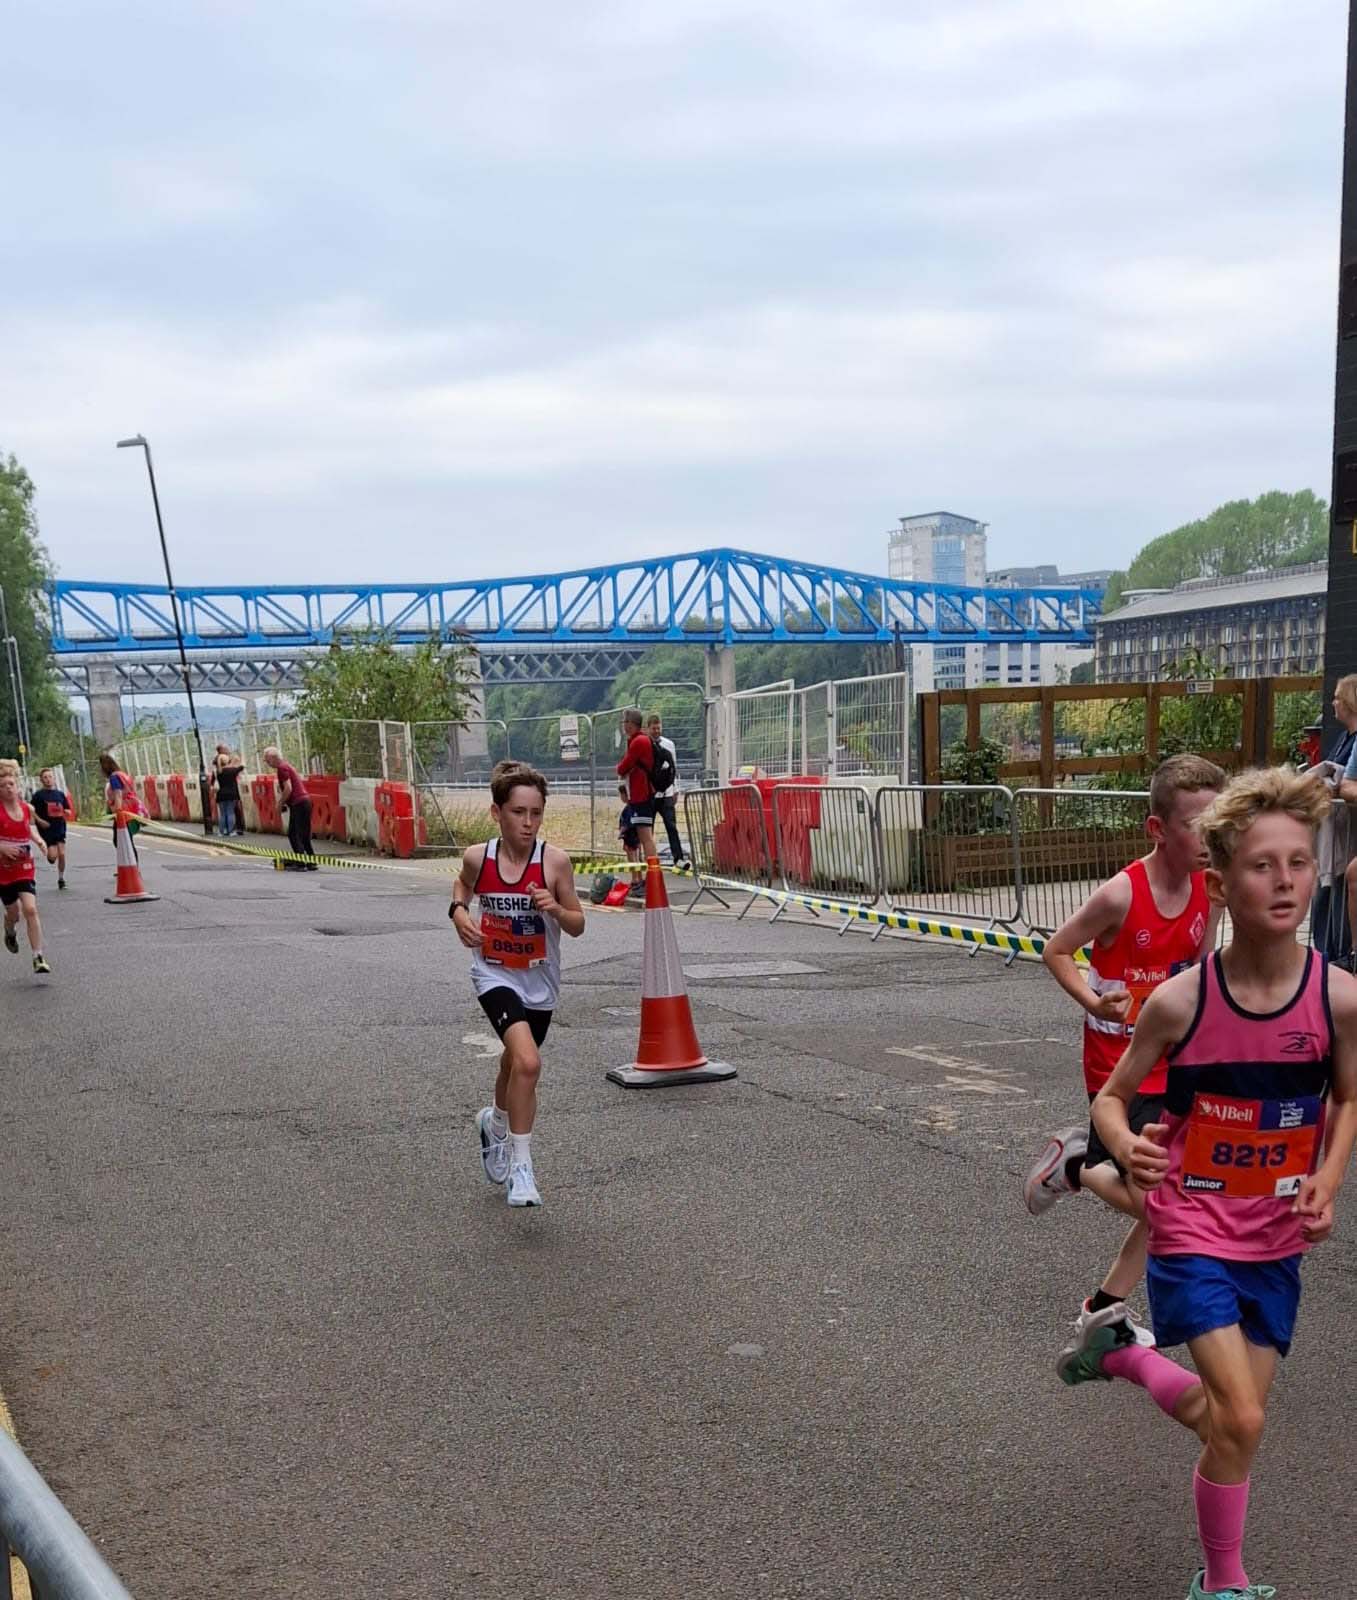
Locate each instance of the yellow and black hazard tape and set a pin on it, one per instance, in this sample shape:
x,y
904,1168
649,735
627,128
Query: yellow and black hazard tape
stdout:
x,y
627,866
158,830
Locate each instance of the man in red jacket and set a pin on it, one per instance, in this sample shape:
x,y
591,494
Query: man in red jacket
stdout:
x,y
635,766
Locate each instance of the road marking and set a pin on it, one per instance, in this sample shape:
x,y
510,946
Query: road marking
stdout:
x,y
488,1044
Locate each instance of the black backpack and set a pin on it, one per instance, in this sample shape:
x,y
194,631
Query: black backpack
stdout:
x,y
663,772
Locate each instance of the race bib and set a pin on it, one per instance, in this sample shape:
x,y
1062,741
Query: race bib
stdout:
x,y
519,942
1249,1149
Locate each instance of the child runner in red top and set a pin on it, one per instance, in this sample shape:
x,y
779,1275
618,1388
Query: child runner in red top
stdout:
x,y
18,886
1145,924
1242,1171
526,891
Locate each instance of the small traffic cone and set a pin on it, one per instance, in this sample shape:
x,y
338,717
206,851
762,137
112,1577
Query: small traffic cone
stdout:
x,y
128,886
668,1052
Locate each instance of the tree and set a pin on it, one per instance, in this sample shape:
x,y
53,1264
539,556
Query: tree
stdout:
x,y
1275,530
24,571
367,679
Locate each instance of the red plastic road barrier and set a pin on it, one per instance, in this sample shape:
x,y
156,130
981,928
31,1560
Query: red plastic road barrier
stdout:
x,y
668,1052
152,799
324,792
265,791
396,831
765,786
178,797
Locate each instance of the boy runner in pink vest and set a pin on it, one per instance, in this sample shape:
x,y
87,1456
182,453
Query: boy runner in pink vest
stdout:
x,y
526,891
1241,1172
1144,924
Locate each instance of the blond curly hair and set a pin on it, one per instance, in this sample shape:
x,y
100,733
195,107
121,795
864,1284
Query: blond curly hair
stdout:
x,y
1259,792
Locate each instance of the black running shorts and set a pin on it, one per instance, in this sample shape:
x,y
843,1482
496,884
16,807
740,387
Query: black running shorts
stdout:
x,y
10,892
504,1007
1143,1109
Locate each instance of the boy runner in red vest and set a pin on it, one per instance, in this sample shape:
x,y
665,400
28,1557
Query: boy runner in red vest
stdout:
x,y
1144,924
18,883
526,891
1241,1170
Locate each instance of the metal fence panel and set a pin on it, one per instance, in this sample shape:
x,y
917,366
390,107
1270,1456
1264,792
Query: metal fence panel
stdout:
x,y
952,850
1070,841
871,727
728,837
826,841
760,728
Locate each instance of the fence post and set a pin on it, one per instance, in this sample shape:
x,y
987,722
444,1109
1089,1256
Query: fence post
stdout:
x,y
381,749
832,732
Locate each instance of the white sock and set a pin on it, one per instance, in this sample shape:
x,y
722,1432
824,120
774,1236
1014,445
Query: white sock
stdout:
x,y
519,1148
499,1122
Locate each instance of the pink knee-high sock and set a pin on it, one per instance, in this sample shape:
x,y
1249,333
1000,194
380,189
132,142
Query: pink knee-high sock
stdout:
x,y
1164,1380
1221,1511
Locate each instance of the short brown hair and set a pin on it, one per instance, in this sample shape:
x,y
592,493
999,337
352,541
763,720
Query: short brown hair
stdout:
x,y
511,775
1185,774
1260,792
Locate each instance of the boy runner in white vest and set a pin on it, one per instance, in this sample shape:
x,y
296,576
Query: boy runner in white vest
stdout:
x,y
1144,924
526,891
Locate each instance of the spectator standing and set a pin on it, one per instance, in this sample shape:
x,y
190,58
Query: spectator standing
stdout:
x,y
51,812
1329,917
228,767
666,800
294,796
636,765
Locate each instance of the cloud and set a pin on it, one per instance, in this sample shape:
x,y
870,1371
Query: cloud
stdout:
x,y
442,288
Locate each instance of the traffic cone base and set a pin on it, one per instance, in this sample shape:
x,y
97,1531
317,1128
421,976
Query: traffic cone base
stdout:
x,y
668,1051
129,899
650,1078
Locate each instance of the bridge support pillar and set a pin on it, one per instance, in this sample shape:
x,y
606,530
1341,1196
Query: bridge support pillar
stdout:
x,y
472,742
720,679
104,689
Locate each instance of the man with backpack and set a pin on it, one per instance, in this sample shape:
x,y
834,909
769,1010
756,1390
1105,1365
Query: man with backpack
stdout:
x,y
640,767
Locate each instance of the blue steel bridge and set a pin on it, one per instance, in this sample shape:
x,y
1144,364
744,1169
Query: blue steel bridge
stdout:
x,y
716,597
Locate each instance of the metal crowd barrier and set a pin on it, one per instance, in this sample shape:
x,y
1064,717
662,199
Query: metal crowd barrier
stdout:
x,y
950,850
61,1562
826,843
1335,848
1068,842
727,840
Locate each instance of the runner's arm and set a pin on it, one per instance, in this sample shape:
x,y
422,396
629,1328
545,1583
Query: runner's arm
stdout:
x,y
1320,1189
463,892
561,900
1099,919
1164,1020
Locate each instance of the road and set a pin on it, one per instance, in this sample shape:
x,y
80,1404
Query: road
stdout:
x,y
267,1330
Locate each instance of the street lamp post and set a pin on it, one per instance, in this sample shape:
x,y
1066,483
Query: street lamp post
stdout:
x,y
138,442
16,680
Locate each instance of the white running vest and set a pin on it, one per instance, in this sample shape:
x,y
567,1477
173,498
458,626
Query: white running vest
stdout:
x,y
522,949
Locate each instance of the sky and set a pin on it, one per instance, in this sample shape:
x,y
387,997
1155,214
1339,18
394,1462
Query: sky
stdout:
x,y
414,290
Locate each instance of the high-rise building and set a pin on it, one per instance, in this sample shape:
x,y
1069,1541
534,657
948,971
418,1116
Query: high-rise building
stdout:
x,y
942,547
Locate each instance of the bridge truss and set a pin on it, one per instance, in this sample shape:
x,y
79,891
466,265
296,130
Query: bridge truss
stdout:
x,y
718,597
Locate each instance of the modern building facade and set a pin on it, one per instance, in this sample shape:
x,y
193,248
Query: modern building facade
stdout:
x,y
1258,625
942,547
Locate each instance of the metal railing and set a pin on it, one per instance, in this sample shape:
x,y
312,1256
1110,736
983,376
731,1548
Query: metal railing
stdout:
x,y
727,840
1068,842
826,841
952,850
57,1554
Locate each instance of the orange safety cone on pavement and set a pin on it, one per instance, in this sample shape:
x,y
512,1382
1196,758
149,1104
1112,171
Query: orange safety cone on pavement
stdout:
x,y
668,1052
128,887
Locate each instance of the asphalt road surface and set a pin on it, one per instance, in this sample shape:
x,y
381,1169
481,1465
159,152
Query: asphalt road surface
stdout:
x,y
267,1330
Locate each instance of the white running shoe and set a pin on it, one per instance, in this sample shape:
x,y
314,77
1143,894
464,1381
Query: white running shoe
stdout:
x,y
1047,1182
494,1151
1118,1318
522,1189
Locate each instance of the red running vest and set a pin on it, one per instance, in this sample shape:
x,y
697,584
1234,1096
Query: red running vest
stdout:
x,y
1149,948
15,831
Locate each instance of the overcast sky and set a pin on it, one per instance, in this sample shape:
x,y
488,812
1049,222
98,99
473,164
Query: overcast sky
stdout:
x,y
419,289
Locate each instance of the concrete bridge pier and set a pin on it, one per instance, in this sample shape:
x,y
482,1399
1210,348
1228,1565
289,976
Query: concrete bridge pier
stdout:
x,y
104,690
720,683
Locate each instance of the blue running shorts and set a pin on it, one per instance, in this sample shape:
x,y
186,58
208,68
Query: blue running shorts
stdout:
x,y
1192,1295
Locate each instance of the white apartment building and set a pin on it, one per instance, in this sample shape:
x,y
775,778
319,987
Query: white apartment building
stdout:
x,y
942,547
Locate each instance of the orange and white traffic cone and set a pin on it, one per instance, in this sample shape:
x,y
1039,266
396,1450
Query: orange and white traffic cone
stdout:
x,y
128,887
668,1052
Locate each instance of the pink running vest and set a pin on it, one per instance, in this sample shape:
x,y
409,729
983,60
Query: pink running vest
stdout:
x,y
1245,1110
